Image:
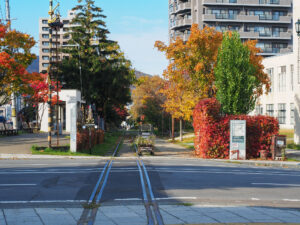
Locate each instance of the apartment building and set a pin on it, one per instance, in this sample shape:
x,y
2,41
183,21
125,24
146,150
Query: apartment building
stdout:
x,y
44,43
268,21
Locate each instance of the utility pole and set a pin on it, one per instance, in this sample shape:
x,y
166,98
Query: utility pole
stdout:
x,y
13,98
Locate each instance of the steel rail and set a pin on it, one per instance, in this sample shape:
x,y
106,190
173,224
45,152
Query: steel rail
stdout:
x,y
150,204
89,213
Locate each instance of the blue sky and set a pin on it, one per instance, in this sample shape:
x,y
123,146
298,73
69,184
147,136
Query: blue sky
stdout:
x,y
135,24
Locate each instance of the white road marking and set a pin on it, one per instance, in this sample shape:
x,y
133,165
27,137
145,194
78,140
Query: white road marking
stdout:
x,y
255,199
291,200
8,185
170,198
49,201
276,184
127,199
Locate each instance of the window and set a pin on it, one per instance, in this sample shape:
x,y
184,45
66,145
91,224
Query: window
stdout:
x,y
270,72
45,29
45,64
292,77
44,21
259,110
45,57
270,109
45,35
282,79
45,43
45,50
292,113
281,113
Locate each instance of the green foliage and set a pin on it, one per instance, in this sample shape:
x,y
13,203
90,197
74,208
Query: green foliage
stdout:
x,y
235,76
96,65
145,141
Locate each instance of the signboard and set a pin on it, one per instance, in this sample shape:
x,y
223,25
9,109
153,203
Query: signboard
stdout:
x,y
73,132
237,139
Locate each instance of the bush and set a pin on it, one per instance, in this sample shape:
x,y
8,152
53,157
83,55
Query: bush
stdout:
x,y
212,131
97,137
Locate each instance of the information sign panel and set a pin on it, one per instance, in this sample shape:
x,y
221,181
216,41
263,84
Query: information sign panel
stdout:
x,y
237,139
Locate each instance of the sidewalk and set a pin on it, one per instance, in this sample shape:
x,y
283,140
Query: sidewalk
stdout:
x,y
136,215
21,144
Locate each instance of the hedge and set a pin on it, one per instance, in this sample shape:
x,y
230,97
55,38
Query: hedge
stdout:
x,y
212,131
97,137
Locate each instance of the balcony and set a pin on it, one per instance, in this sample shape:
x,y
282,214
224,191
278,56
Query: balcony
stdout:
x,y
246,18
183,7
266,35
182,23
275,51
258,3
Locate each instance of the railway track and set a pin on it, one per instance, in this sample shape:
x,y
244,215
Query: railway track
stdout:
x,y
89,213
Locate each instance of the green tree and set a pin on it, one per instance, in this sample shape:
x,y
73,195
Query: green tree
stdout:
x,y
235,75
95,65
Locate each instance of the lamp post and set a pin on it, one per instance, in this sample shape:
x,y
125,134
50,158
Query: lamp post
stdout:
x,y
297,25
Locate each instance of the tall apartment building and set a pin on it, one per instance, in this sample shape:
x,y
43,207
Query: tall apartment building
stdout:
x,y
268,21
44,43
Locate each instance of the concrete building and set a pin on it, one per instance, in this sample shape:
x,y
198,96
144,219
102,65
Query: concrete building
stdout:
x,y
268,21
44,43
283,101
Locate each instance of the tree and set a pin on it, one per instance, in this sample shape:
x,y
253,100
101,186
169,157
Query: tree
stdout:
x,y
192,62
239,75
96,65
179,103
148,101
15,57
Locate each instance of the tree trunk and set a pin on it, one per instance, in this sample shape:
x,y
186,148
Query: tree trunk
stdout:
x,y
173,125
181,137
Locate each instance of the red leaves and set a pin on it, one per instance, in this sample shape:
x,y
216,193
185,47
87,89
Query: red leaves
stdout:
x,y
212,131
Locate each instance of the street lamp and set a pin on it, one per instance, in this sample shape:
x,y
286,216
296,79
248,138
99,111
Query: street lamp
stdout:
x,y
297,25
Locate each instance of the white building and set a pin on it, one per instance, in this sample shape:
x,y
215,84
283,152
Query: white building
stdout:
x,y
67,98
283,101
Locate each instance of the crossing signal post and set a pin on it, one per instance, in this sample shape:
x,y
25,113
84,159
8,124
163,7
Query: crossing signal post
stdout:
x,y
54,24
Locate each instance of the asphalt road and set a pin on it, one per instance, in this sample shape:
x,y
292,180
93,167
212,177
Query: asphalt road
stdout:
x,y
60,182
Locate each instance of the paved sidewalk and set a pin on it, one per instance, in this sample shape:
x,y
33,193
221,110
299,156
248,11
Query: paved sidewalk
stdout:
x,y
21,144
136,215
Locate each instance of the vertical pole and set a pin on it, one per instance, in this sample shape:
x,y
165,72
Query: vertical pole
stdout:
x,y
13,98
173,127
49,78
181,137
57,105
298,60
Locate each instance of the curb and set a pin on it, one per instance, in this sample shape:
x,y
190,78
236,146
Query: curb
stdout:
x,y
278,164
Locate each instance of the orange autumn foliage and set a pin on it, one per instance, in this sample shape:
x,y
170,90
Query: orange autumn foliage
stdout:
x,y
190,73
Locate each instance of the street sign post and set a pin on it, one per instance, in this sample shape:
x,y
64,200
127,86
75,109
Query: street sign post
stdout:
x,y
238,139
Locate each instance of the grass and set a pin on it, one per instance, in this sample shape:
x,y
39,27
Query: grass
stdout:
x,y
63,150
186,143
288,132
293,146
98,150
292,160
108,145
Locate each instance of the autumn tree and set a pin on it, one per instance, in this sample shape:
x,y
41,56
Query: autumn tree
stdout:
x,y
15,57
179,103
239,75
192,62
148,101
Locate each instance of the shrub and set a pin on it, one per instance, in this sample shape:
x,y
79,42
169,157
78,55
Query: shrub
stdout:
x,y
97,137
212,131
